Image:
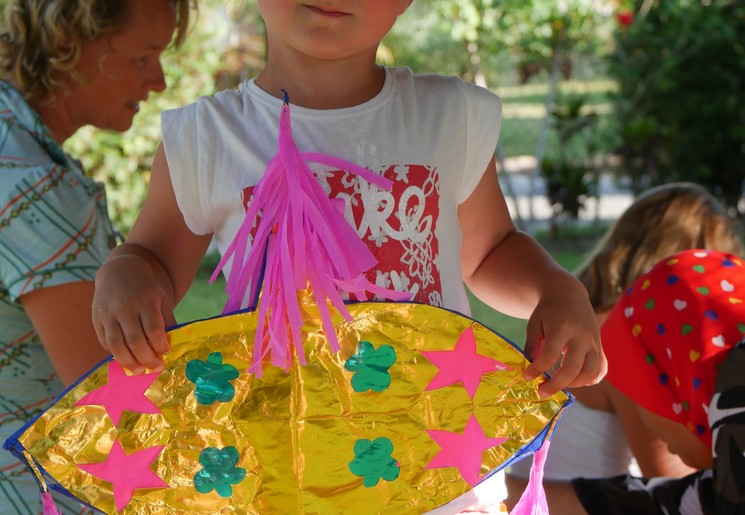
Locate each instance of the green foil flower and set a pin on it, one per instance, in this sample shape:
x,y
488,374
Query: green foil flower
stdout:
x,y
373,461
212,379
370,367
219,471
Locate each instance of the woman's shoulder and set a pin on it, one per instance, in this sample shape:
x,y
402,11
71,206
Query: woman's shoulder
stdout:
x,y
26,143
23,159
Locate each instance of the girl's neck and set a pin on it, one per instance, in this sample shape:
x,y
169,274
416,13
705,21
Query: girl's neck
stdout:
x,y
323,85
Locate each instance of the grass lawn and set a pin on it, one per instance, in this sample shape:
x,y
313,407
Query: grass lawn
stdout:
x,y
206,300
524,112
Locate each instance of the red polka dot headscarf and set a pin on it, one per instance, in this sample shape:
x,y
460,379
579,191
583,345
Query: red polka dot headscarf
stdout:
x,y
670,330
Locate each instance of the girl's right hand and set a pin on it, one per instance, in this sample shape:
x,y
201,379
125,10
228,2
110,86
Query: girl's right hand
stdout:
x,y
141,281
131,310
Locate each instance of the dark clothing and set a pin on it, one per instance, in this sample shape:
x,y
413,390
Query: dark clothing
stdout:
x,y
720,491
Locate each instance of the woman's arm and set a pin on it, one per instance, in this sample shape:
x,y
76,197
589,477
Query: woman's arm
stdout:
x,y
62,317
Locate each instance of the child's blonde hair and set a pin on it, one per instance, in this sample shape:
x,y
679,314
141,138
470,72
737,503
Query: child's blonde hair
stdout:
x,y
663,221
43,38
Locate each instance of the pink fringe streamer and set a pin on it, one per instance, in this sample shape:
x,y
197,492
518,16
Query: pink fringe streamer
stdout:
x,y
303,240
533,500
47,504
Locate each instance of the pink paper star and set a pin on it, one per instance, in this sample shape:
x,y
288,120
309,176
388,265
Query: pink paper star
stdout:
x,y
461,364
127,473
122,393
464,451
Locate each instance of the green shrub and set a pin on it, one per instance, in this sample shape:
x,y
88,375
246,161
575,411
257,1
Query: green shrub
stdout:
x,y
567,170
680,106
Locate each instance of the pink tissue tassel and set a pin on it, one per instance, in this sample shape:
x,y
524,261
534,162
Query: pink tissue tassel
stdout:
x,y
533,500
47,504
302,239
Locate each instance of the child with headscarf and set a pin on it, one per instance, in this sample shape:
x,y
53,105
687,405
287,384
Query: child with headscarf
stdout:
x,y
677,355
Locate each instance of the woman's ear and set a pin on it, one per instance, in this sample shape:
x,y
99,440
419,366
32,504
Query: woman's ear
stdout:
x,y
64,48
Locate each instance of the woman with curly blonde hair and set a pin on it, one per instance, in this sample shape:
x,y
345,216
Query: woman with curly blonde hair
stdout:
x,y
64,64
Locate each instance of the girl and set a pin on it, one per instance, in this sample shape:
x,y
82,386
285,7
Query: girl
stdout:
x,y
675,362
445,222
591,441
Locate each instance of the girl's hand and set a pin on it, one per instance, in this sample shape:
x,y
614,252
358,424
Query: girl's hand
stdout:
x,y
563,330
131,310
138,286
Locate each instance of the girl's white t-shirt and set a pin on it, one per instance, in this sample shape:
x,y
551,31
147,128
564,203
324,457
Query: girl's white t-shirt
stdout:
x,y
432,135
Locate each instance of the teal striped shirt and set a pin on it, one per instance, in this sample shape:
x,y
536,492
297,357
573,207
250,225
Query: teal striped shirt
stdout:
x,y
54,229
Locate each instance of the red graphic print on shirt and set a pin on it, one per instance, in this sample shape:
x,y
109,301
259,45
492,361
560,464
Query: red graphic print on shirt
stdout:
x,y
398,226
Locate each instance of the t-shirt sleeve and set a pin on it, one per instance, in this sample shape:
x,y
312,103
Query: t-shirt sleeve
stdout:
x,y
484,116
189,177
53,229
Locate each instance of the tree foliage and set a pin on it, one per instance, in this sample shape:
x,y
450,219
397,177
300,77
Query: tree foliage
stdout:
x,y
475,38
680,66
567,173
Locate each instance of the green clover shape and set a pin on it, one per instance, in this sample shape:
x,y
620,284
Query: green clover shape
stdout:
x,y
219,471
370,367
373,461
212,379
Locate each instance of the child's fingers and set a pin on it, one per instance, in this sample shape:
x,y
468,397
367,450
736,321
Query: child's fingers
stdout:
x,y
572,366
578,352
109,334
543,353
593,370
154,328
580,366
100,333
541,364
139,346
145,355
113,341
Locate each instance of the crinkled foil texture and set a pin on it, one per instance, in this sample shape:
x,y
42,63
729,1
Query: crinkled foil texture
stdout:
x,y
296,430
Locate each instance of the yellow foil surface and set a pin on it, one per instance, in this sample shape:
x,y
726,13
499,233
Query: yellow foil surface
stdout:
x,y
295,430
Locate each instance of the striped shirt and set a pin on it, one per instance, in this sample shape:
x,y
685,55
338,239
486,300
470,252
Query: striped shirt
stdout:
x,y
54,230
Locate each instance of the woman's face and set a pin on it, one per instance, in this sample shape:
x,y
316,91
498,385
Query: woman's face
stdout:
x,y
679,440
120,69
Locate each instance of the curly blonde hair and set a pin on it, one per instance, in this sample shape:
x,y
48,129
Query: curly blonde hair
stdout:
x,y
32,55
662,221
